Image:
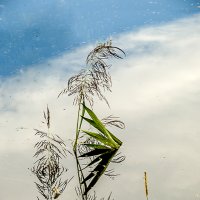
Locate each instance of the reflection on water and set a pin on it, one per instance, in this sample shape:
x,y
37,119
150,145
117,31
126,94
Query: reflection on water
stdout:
x,y
156,93
47,167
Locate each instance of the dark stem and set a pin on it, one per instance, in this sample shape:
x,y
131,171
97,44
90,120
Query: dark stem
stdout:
x,y
78,128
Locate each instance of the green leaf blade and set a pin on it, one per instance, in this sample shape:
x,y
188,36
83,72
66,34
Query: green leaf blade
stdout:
x,y
98,123
100,138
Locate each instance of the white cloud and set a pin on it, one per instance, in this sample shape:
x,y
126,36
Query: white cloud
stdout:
x,y
155,91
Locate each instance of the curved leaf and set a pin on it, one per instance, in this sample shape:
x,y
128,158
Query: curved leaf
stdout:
x,y
100,126
100,138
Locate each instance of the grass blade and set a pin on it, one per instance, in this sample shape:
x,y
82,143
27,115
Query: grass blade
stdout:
x,y
100,138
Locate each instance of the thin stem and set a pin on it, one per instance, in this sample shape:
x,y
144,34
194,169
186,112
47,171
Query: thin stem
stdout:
x,y
49,162
80,177
79,120
78,128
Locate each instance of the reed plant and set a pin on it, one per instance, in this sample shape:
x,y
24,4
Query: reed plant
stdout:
x,y
47,167
93,148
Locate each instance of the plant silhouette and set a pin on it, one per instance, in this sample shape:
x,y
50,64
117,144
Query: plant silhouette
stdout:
x,y
47,168
95,148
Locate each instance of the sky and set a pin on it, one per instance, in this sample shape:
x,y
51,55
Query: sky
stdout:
x,y
34,31
155,90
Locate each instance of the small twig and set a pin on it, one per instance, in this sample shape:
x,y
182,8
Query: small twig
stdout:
x,y
146,185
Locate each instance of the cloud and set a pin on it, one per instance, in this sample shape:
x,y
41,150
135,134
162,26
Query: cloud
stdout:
x,y
155,91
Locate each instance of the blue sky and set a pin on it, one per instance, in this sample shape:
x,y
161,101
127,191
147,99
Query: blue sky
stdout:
x,y
33,31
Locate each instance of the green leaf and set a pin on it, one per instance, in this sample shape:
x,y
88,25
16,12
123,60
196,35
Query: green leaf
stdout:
x,y
100,138
92,123
115,138
95,118
100,125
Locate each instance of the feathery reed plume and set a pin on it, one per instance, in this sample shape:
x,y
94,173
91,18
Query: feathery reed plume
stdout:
x,y
102,146
146,185
95,77
113,121
47,168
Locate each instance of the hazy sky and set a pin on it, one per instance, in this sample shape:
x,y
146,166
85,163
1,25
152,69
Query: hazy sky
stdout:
x,y
155,90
